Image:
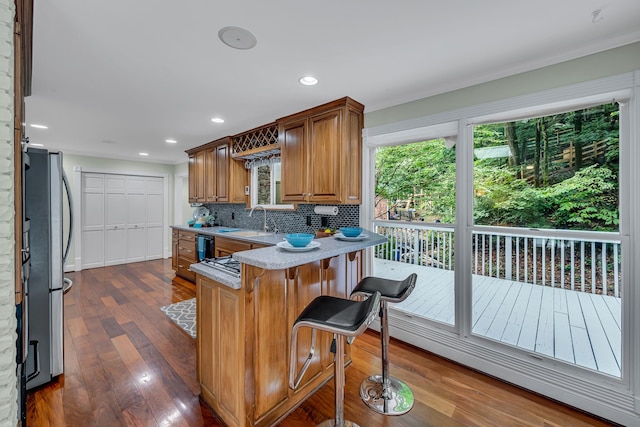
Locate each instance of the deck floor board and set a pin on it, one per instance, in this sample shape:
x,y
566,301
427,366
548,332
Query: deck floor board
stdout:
x,y
568,325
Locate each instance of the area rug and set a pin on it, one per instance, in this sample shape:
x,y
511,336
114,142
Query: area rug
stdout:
x,y
183,313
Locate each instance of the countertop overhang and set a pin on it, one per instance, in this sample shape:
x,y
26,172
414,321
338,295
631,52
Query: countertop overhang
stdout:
x,y
275,258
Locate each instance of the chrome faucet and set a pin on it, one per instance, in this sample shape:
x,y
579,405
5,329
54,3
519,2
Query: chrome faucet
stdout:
x,y
266,228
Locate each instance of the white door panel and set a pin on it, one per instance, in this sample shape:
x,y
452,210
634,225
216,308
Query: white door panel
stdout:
x,y
154,242
136,210
136,184
154,209
136,244
92,182
155,186
92,210
92,248
117,183
115,246
115,210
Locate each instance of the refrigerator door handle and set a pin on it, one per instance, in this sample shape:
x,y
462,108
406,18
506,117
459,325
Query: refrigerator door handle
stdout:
x,y
67,188
36,360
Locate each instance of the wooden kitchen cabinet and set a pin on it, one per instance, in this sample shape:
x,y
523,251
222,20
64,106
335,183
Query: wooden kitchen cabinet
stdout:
x,y
217,179
213,176
227,246
174,249
321,152
197,177
220,331
184,253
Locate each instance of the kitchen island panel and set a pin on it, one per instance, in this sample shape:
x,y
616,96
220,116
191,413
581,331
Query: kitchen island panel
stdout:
x,y
253,334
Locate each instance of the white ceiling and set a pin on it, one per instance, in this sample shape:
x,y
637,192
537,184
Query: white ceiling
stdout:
x,y
113,78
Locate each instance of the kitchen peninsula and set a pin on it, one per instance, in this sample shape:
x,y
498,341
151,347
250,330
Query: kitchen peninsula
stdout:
x,y
244,325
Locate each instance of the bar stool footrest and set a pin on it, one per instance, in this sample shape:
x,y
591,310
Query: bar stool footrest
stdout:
x,y
394,399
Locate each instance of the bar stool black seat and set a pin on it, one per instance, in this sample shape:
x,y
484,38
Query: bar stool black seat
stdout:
x,y
383,393
342,317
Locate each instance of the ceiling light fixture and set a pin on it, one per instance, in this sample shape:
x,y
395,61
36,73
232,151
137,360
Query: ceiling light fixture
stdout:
x,y
39,126
217,120
308,80
171,141
237,38
143,154
33,144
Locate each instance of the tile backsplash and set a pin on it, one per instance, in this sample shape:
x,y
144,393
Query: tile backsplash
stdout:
x,y
237,215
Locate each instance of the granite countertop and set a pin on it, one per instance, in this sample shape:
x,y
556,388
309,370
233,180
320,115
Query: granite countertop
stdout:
x,y
217,275
276,258
245,234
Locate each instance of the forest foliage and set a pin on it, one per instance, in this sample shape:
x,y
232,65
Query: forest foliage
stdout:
x,y
555,172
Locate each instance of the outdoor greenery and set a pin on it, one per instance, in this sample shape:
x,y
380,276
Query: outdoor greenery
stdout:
x,y
558,171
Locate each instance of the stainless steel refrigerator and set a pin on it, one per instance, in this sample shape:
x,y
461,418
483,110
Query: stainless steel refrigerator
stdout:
x,y
43,203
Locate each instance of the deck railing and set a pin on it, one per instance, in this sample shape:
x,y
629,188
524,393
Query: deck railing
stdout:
x,y
586,265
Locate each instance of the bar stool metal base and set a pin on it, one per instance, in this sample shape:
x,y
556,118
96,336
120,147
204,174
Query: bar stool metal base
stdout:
x,y
332,423
394,399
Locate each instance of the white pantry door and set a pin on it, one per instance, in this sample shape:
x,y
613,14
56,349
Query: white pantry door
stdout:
x,y
154,220
136,219
115,220
122,219
92,225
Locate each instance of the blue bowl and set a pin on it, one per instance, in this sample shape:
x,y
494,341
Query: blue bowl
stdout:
x,y
299,240
351,231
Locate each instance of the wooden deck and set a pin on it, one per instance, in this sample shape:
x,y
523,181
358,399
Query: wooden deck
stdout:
x,y
576,327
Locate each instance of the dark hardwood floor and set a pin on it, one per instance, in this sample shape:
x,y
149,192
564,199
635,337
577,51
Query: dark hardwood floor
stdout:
x,y
127,364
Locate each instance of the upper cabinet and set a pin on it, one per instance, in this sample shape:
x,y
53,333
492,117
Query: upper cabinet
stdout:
x,y
214,176
321,151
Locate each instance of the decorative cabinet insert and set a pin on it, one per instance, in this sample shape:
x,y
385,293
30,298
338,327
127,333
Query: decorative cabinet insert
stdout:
x,y
322,153
214,176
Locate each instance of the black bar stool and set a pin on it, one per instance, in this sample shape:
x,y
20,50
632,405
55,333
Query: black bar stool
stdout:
x,y
342,317
383,393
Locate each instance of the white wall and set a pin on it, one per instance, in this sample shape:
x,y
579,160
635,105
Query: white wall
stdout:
x,y
182,194
8,382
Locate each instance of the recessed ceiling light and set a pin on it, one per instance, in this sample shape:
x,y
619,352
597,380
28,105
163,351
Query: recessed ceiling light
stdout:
x,y
217,120
33,144
308,80
237,38
39,126
143,154
171,141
